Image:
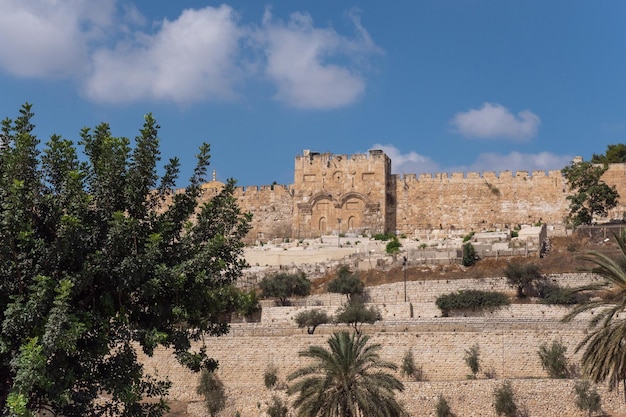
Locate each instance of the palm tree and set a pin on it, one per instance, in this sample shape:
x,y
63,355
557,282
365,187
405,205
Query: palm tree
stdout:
x,y
349,380
604,357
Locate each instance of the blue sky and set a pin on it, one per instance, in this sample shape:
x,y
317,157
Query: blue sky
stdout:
x,y
440,85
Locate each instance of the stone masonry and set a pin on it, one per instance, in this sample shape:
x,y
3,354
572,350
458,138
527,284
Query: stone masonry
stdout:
x,y
357,194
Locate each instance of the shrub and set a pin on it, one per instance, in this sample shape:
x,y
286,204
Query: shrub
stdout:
x,y
554,294
354,313
468,236
408,367
212,389
587,397
311,319
505,400
393,246
553,359
383,236
469,255
270,376
472,359
514,233
443,408
471,300
277,408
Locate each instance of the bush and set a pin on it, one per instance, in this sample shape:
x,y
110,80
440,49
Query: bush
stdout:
x,y
505,400
553,359
554,294
383,236
393,246
469,255
443,408
587,397
277,408
468,236
212,389
311,319
408,367
270,376
472,359
471,300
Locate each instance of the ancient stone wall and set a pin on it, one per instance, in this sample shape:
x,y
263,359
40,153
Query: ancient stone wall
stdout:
x,y
356,194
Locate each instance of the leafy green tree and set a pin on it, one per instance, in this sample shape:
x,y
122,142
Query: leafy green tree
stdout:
x,y
614,154
471,300
284,286
311,319
212,389
472,359
587,397
348,379
522,276
604,355
99,256
553,359
355,314
346,283
591,196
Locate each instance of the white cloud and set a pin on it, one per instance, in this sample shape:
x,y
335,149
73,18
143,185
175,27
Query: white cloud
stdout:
x,y
517,161
414,163
496,121
299,62
186,60
47,38
409,163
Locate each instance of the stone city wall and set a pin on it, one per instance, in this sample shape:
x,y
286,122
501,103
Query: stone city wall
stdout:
x,y
360,190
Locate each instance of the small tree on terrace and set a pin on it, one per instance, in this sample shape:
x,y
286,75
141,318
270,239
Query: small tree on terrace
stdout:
x,y
283,286
355,314
522,276
311,319
591,196
346,283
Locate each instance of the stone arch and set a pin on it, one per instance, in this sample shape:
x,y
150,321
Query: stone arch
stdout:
x,y
322,224
351,224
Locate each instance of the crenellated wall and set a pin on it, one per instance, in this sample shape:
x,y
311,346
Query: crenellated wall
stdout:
x,y
358,194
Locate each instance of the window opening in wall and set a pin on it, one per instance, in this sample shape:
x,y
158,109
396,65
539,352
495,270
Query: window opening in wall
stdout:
x,y
323,224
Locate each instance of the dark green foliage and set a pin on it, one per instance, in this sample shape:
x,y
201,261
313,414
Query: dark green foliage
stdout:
x,y
409,369
311,319
248,302
99,256
472,359
283,286
553,359
443,408
471,300
468,237
592,196
349,380
554,294
587,397
212,389
523,276
277,408
469,255
393,246
383,236
346,283
505,400
355,313
270,376
615,154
